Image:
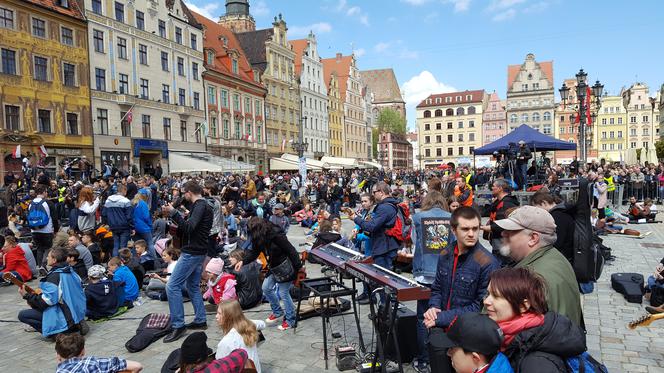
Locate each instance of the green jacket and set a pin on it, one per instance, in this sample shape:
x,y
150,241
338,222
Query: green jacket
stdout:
x,y
563,294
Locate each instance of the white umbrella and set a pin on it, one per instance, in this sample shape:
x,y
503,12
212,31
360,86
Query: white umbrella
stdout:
x,y
652,154
630,157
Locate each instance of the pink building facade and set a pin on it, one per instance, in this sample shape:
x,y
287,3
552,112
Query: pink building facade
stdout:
x,y
494,120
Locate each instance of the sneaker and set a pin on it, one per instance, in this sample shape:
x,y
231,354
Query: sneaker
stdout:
x,y
284,326
83,327
272,319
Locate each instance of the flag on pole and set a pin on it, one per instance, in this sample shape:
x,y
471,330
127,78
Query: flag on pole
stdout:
x,y
129,116
17,152
283,145
203,128
42,151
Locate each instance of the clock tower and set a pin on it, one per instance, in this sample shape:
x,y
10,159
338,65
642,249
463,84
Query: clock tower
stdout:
x,y
237,17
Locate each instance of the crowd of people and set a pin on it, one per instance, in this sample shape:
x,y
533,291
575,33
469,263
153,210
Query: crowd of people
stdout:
x,y
98,245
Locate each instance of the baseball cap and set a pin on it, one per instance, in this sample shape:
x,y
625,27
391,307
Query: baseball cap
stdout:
x,y
279,206
529,217
521,142
473,332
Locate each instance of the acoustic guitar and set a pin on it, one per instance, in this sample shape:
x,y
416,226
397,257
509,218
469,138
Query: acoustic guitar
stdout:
x,y
8,276
645,320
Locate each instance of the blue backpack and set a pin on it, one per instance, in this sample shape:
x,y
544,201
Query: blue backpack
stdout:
x,y
585,363
37,216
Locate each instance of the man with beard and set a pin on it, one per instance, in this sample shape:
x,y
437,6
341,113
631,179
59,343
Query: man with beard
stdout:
x,y
503,200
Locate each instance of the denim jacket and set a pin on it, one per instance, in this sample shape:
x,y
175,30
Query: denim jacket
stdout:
x,y
424,265
469,286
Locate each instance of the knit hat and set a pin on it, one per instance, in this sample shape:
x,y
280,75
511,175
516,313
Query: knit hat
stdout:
x,y
215,265
96,271
194,348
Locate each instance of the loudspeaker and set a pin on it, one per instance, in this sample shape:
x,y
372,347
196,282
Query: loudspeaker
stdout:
x,y
406,331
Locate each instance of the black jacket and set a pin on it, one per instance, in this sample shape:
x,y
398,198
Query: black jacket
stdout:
x,y
543,349
280,249
565,228
500,207
195,230
248,287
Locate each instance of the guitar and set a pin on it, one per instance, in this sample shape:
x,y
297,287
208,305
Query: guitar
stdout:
x,y
645,320
8,276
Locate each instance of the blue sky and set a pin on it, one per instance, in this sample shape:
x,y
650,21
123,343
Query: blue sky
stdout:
x,y
441,45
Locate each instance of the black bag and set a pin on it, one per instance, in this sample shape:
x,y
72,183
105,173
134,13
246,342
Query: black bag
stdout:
x,y
656,296
145,336
283,272
588,260
630,285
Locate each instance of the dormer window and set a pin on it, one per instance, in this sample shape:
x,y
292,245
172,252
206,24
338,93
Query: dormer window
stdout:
x,y
210,57
63,3
234,66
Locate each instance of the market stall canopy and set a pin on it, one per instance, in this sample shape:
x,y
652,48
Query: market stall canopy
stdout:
x,y
533,138
281,164
180,162
312,164
338,162
370,164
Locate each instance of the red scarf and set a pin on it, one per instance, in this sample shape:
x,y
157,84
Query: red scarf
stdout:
x,y
518,324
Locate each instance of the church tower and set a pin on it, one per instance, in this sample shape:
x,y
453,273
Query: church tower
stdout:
x,y
237,17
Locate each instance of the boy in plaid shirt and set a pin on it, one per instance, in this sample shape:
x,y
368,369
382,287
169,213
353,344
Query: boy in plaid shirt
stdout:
x,y
70,350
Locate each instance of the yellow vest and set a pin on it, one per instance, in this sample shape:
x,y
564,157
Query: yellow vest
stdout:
x,y
468,180
61,194
610,186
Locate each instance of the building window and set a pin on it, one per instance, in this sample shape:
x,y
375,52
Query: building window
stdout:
x,y
39,28
69,74
164,61
102,121
145,89
427,114
67,36
72,124
450,151
632,132
6,18
547,116
439,152
645,119
125,126
547,129
536,117
183,130
119,11
100,79
167,128
98,39
44,121
247,106
632,119
439,126
96,7
460,136
427,153
124,84
427,139
460,125
194,70
259,133
210,57
450,138
619,120
162,28
8,61
122,48
224,99
471,124
143,54
140,20
12,118
197,134
258,108
439,112
180,66
197,101
166,93
461,150
524,118
212,96
194,44
612,134
41,68
427,126
236,105
178,35
181,96
145,126
234,66
439,138
513,118
226,129
471,137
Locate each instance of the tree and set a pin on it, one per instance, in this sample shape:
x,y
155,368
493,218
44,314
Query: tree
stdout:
x,y
389,120
659,149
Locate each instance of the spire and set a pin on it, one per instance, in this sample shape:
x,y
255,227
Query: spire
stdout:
x,y
240,7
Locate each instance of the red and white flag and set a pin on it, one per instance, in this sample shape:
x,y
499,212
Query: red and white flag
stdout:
x,y
129,116
283,145
17,152
42,151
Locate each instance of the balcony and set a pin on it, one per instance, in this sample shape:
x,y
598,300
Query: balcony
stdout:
x,y
238,143
183,110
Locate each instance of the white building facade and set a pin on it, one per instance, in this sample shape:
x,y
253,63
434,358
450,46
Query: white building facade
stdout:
x,y
146,65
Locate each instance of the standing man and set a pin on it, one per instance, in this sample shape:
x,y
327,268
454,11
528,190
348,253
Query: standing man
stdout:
x,y
187,274
118,213
523,154
335,195
503,200
529,234
462,278
43,222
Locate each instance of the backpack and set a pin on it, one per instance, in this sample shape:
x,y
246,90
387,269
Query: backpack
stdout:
x,y
584,363
401,228
37,216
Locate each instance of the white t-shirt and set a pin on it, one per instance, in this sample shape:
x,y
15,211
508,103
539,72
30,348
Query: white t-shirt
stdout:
x,y
233,340
171,267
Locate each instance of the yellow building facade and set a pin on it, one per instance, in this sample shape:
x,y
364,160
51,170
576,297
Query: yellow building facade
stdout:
x,y
335,115
611,128
44,83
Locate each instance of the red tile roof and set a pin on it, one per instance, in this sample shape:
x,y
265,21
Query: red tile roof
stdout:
x,y
212,39
74,9
513,71
340,65
476,96
298,47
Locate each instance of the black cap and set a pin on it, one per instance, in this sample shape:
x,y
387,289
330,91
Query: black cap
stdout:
x,y
473,332
194,348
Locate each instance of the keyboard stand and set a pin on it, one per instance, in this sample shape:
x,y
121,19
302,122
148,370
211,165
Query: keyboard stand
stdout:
x,y
388,313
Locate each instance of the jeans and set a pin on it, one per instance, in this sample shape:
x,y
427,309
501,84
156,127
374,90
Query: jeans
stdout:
x,y
120,240
41,244
661,193
187,274
422,332
385,260
335,206
523,169
283,288
32,318
147,236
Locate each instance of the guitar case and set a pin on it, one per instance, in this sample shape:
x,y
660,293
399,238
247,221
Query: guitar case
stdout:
x,y
588,260
146,335
629,285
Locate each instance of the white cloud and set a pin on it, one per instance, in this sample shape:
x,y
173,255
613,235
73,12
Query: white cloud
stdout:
x,y
416,2
260,9
303,31
360,52
537,7
504,16
341,5
459,5
353,11
381,47
207,10
420,87
503,4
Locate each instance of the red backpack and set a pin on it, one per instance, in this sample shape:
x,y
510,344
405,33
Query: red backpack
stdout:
x,y
401,228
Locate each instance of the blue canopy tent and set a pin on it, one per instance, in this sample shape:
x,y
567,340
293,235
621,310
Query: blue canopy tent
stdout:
x,y
535,140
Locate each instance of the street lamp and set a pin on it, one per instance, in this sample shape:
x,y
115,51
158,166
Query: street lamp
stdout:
x,y
586,107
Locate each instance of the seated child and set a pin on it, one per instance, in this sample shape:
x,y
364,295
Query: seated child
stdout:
x,y
144,258
156,288
230,221
77,264
103,296
70,353
132,263
121,273
196,356
248,287
88,239
239,331
14,261
279,219
305,217
326,235
221,286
